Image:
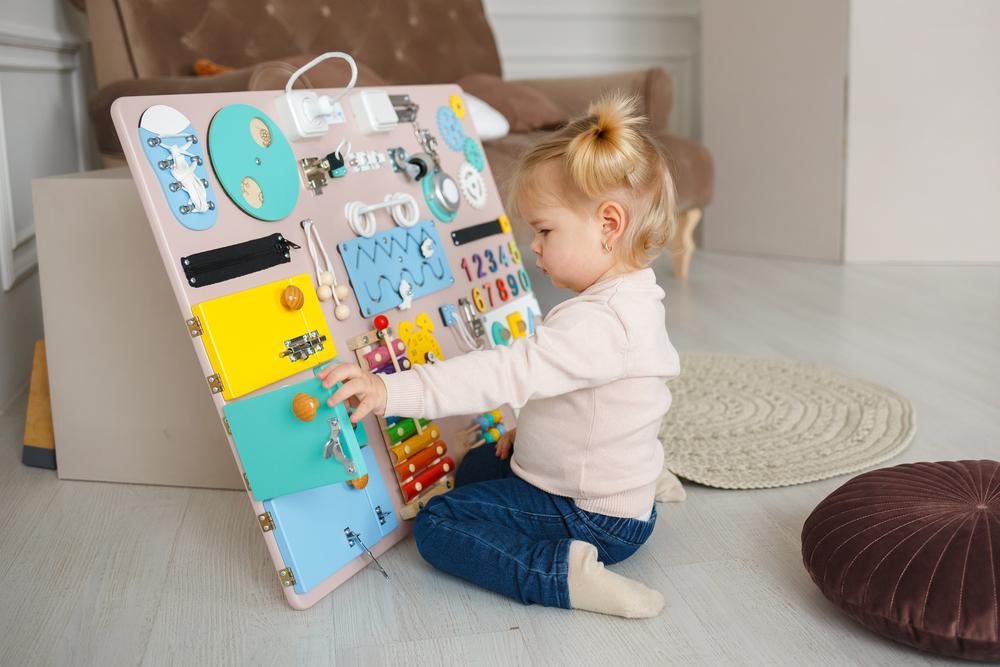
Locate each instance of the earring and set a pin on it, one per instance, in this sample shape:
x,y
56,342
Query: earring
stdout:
x,y
607,248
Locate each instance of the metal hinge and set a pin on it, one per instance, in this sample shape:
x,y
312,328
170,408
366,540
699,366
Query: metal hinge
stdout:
x,y
246,481
194,327
286,576
381,515
215,383
226,422
266,522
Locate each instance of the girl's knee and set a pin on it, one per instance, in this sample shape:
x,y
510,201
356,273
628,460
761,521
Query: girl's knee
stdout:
x,y
427,519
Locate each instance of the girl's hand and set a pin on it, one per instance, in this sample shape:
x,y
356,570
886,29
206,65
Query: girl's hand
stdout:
x,y
365,389
505,443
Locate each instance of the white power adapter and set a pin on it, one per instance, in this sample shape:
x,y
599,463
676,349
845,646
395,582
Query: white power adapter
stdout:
x,y
309,112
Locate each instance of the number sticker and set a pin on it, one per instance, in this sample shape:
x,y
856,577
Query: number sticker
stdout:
x,y
465,265
525,280
478,261
512,281
489,292
477,298
515,254
503,257
502,289
492,260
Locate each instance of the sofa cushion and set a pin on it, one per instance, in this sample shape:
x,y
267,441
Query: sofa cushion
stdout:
x,y
525,108
912,552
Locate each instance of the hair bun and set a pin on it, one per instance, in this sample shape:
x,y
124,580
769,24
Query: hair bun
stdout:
x,y
606,151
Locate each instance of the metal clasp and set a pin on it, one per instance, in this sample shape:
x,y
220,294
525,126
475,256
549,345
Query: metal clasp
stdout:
x,y
334,448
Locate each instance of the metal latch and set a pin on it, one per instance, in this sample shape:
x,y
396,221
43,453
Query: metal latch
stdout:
x,y
315,169
194,327
335,448
266,522
286,576
353,537
381,515
406,109
304,346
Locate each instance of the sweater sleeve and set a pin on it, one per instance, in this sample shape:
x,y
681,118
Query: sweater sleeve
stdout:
x,y
579,347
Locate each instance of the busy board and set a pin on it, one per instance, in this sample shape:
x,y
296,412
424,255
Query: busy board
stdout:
x,y
299,228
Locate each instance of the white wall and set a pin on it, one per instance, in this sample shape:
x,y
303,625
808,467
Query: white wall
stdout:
x,y
773,100
923,178
558,38
44,82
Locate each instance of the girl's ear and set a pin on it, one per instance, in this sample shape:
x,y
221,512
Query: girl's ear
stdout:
x,y
613,219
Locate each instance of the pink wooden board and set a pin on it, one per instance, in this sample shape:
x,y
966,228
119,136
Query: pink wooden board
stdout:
x,y
327,211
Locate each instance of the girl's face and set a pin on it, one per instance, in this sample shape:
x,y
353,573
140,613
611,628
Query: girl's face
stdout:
x,y
568,243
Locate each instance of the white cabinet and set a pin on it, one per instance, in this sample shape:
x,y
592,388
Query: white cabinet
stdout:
x,y
862,130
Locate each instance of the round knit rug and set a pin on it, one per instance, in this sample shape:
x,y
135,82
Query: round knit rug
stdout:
x,y
746,423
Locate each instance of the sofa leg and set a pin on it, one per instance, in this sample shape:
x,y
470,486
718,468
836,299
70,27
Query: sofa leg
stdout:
x,y
682,245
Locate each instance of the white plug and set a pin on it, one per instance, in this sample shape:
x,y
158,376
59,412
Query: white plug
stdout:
x,y
311,113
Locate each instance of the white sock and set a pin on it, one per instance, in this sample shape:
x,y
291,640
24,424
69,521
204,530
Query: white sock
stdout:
x,y
669,488
593,588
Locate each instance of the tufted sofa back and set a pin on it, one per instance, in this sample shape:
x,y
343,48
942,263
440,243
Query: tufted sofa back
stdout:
x,y
405,41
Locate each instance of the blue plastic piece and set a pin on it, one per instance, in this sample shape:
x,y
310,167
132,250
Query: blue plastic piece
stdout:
x,y
237,156
376,266
451,128
178,197
449,314
309,526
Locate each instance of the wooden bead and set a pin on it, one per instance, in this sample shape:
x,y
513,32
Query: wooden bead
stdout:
x,y
305,406
292,298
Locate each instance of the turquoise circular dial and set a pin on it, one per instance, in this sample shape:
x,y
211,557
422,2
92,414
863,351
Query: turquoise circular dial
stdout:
x,y
254,162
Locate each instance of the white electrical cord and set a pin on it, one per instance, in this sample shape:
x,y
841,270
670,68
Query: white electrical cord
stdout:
x,y
361,217
325,104
328,285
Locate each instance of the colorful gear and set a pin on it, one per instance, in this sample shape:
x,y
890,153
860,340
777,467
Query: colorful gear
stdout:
x,y
457,105
450,128
474,154
473,187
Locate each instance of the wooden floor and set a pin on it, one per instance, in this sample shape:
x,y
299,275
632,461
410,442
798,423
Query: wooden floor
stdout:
x,y
114,574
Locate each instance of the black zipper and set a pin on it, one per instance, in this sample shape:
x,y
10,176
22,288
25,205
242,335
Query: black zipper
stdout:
x,y
232,261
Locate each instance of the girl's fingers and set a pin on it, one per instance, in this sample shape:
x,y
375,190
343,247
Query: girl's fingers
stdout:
x,y
339,373
355,387
363,410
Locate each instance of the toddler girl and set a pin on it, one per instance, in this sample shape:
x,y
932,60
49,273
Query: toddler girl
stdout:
x,y
578,489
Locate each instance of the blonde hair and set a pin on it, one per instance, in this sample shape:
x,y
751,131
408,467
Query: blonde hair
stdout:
x,y
606,153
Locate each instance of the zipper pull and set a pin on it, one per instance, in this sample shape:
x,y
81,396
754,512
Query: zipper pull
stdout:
x,y
289,244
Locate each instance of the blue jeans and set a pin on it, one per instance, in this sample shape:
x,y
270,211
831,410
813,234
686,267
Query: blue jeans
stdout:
x,y
497,531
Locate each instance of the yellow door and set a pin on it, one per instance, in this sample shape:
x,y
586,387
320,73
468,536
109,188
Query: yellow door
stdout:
x,y
264,334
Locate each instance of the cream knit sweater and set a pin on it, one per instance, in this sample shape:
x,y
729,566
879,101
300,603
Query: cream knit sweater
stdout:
x,y
591,388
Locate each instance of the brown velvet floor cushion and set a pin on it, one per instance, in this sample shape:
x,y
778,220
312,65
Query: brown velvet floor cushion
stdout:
x,y
913,553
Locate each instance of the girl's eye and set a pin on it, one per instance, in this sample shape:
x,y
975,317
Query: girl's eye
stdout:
x,y
543,232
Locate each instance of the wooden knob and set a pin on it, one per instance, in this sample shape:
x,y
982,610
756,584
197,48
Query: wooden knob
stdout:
x,y
305,406
360,482
292,298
